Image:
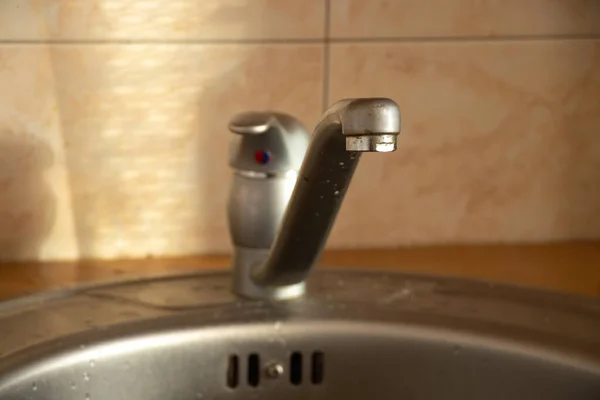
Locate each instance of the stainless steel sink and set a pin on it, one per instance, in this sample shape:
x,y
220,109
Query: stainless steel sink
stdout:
x,y
347,335
354,335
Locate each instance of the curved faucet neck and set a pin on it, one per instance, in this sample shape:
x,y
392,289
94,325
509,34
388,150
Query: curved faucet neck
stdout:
x,y
348,128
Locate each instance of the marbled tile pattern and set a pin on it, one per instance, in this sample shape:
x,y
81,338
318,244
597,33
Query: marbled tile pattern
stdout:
x,y
499,143
161,20
113,115
146,133
455,18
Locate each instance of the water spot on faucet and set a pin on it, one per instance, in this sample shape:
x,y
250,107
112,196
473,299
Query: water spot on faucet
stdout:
x,y
397,295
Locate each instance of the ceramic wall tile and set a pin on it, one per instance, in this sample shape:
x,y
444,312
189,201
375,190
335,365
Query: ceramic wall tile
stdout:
x,y
499,143
161,20
145,129
35,208
113,139
443,18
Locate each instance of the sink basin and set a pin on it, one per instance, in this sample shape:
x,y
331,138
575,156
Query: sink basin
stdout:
x,y
355,335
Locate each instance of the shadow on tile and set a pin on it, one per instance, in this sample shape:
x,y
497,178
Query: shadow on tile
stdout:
x,y
27,204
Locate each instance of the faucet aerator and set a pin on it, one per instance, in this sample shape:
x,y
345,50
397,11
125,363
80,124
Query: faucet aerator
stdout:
x,y
383,143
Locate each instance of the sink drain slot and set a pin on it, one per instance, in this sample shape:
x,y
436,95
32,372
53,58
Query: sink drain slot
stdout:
x,y
253,370
273,370
296,368
233,371
318,367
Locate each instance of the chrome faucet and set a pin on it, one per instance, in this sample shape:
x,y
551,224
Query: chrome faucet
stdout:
x,y
278,269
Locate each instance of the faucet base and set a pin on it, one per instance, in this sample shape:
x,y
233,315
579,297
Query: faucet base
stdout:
x,y
245,261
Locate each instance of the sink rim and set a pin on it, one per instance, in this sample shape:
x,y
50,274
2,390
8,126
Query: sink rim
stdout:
x,y
395,292
560,329
539,293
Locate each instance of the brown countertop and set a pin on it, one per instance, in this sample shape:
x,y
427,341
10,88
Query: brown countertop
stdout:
x,y
571,267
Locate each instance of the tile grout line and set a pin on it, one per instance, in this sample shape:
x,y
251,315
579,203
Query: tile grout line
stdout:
x,y
133,42
326,55
327,39
458,39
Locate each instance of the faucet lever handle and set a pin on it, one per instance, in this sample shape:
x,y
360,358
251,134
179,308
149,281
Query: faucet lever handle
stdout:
x,y
252,123
269,142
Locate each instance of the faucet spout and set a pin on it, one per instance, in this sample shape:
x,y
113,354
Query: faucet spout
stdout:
x,y
348,128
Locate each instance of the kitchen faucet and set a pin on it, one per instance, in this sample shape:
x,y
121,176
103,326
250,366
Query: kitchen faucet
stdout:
x,y
289,236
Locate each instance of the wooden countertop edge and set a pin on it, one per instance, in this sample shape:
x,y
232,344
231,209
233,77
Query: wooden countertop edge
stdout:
x,y
567,267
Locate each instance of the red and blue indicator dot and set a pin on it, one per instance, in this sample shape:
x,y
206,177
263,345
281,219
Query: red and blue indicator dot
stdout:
x,y
262,157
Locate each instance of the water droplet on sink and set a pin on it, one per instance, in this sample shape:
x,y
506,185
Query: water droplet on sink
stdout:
x,y
92,363
337,192
341,163
73,386
86,376
87,396
456,350
34,386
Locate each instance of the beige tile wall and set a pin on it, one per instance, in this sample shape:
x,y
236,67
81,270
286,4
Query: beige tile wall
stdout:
x,y
113,116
